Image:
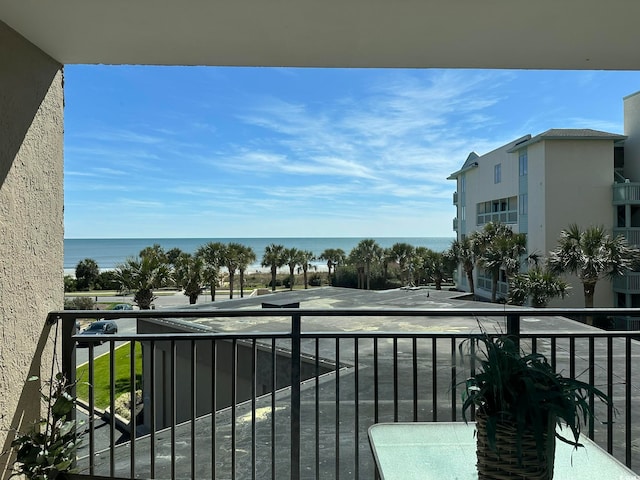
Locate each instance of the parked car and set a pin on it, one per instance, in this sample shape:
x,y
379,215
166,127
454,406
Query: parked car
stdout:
x,y
101,327
122,306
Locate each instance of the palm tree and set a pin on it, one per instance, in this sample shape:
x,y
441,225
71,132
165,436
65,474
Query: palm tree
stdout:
x,y
306,257
231,260
87,272
592,254
246,256
500,249
364,254
420,265
465,252
155,251
292,259
355,259
212,253
143,275
189,274
173,255
334,258
540,285
439,265
402,253
273,258
387,258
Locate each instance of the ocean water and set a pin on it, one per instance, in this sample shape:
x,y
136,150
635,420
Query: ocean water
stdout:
x,y
109,252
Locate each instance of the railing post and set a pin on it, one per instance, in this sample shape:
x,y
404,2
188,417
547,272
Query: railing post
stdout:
x,y
68,360
513,327
295,396
68,352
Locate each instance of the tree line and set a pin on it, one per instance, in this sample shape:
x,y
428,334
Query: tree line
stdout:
x,y
367,264
590,254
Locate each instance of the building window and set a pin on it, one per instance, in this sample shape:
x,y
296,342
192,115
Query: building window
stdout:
x,y
524,202
497,173
463,183
501,210
463,213
523,161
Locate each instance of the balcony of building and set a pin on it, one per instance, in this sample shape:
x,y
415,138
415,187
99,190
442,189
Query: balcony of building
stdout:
x,y
290,393
630,234
629,282
455,198
627,193
455,224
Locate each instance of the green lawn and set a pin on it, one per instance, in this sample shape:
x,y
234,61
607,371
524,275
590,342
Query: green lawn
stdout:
x,y
102,375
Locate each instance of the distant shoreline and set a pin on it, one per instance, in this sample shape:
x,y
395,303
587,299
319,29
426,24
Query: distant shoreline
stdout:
x,y
108,253
252,269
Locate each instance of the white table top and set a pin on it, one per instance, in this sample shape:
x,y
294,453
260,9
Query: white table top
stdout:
x,y
447,450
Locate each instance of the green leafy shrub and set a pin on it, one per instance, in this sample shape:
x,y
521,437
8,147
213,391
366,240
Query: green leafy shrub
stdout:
x,y
79,303
70,284
315,280
107,280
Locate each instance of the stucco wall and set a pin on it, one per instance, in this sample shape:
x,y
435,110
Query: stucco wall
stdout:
x,y
579,179
31,222
632,130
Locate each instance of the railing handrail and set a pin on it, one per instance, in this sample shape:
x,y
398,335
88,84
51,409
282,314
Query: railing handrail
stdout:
x,y
354,312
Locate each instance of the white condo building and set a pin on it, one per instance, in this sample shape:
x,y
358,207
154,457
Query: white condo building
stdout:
x,y
540,184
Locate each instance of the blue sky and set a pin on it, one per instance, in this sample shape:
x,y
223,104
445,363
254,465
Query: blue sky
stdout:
x,y
206,152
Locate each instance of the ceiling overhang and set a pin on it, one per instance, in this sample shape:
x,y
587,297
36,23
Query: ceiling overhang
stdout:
x,y
543,34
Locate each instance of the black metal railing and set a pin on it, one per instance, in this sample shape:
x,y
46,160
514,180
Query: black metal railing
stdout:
x,y
297,403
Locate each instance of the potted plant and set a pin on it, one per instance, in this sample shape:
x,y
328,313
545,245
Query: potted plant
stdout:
x,y
48,450
518,401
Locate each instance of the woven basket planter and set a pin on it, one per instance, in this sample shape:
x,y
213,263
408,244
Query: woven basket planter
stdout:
x,y
503,462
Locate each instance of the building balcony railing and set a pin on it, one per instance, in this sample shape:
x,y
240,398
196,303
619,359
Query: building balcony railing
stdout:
x,y
455,198
455,224
292,400
626,193
631,235
628,282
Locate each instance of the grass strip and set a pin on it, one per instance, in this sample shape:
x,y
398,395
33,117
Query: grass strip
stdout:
x,y
102,375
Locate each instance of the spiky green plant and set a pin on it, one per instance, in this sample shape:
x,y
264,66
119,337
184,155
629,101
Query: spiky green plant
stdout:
x,y
49,448
511,386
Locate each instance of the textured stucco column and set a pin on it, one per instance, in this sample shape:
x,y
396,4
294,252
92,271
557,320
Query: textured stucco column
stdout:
x,y
31,224
632,130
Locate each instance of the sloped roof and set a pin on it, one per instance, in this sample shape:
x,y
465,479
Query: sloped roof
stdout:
x,y
569,134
